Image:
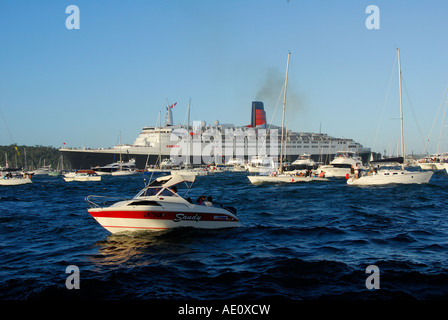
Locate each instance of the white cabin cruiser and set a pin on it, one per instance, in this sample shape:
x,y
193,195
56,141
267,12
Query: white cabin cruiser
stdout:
x,y
158,207
109,169
341,165
82,175
262,164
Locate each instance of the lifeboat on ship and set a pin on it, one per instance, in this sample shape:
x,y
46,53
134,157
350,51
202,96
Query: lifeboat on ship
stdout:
x,y
158,206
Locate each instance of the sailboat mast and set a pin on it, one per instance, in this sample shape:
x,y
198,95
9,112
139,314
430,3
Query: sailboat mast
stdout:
x,y
283,116
401,109
160,145
120,153
189,135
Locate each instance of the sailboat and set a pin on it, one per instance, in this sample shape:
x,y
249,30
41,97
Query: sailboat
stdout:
x,y
59,169
123,170
279,176
12,177
189,169
382,177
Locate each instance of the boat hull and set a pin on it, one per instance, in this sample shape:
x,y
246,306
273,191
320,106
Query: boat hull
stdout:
x,y
283,179
124,173
71,179
393,177
14,181
133,220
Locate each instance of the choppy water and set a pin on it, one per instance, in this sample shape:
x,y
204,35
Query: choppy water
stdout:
x,y
299,241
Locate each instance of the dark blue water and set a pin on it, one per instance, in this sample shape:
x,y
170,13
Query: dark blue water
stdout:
x,y
299,241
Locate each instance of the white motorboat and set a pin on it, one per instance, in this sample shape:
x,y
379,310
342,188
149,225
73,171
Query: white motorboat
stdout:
x,y
168,163
114,167
262,164
341,165
41,171
236,164
302,165
124,172
432,162
305,161
11,179
82,175
382,177
158,206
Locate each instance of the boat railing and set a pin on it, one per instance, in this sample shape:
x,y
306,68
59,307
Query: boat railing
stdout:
x,y
102,201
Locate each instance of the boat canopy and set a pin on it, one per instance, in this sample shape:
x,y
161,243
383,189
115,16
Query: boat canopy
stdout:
x,y
171,180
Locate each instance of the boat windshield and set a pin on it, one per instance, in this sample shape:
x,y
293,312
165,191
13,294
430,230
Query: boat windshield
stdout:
x,y
159,191
346,154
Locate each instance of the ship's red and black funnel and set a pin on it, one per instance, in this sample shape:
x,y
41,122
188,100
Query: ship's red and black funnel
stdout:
x,y
258,119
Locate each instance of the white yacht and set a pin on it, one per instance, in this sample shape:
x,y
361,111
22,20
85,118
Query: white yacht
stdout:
x,y
341,165
382,177
262,164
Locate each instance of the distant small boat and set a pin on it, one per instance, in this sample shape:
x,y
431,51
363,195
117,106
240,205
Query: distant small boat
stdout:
x,y
267,167
124,172
305,161
82,175
341,165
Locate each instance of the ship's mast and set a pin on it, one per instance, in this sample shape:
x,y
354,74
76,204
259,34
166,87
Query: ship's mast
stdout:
x,y
401,109
283,116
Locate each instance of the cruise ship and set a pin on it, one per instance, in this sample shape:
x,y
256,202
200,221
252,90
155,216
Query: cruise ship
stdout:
x,y
201,143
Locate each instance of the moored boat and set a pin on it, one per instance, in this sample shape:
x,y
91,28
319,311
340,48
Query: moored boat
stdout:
x,y
10,179
382,177
82,175
341,165
284,178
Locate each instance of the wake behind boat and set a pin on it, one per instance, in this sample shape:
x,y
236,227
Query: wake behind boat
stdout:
x,y
158,207
111,168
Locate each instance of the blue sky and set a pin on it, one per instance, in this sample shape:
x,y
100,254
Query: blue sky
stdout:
x,y
116,72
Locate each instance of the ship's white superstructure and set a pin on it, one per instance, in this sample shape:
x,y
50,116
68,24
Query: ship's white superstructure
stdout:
x,y
204,143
